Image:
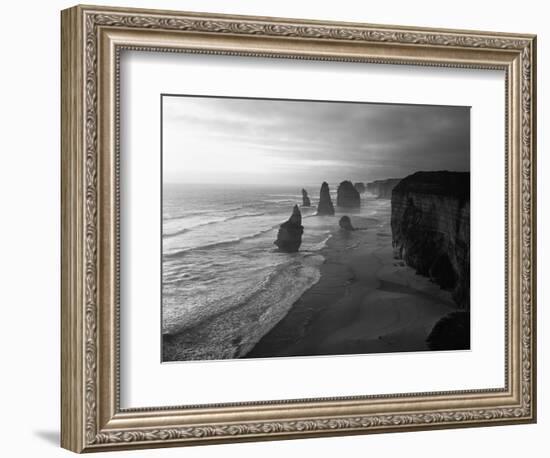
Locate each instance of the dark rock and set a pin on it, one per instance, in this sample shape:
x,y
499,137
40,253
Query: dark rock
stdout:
x,y
452,332
289,237
347,196
430,221
345,223
360,187
305,199
325,206
383,188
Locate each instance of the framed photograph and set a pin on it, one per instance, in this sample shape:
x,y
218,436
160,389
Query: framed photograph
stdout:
x,y
277,228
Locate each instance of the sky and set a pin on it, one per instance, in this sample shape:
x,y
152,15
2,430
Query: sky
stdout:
x,y
261,141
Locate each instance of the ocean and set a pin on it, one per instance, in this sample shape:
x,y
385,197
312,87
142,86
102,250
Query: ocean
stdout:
x,y
224,282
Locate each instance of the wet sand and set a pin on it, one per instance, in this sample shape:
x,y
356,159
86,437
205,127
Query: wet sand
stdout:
x,y
365,301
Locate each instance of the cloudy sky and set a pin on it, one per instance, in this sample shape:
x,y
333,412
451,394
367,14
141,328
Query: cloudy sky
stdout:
x,y
257,141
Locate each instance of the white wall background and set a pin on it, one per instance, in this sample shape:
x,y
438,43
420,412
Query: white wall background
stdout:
x,y
29,229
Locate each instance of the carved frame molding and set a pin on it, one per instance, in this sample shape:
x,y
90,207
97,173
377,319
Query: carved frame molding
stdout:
x,y
92,39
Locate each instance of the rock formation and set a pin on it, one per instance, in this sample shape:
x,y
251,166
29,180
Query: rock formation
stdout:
x,y
383,188
452,332
345,223
305,199
347,196
430,221
325,206
289,237
360,187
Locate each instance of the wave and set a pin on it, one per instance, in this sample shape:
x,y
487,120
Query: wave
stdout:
x,y
202,212
322,244
178,232
257,309
284,195
209,246
208,223
280,201
185,215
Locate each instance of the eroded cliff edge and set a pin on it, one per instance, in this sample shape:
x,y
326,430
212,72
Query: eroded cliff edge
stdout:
x,y
383,188
430,221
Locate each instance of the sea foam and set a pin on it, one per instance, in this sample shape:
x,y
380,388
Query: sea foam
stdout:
x,y
231,330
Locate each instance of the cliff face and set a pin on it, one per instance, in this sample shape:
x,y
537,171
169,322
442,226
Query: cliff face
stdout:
x,y
360,187
383,188
430,221
325,206
347,196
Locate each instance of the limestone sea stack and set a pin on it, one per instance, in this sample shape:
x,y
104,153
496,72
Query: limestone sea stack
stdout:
x,y
360,187
347,196
345,223
325,206
383,188
305,199
430,222
289,237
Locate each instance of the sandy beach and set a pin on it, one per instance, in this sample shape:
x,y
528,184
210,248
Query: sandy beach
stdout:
x,y
365,301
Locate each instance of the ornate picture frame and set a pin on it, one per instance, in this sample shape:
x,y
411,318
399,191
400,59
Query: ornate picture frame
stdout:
x,y
92,40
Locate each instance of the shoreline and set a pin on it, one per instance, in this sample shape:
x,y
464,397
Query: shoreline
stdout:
x,y
364,302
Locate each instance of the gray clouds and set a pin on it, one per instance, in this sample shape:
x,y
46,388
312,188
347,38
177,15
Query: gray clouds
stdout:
x,y
228,140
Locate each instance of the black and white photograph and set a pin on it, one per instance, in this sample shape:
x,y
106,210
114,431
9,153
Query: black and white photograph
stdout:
x,y
308,228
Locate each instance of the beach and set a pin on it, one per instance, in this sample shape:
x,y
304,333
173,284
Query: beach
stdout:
x,y
364,302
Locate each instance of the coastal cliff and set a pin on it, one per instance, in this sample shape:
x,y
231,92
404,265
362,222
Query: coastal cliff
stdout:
x,y
360,187
430,222
383,188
